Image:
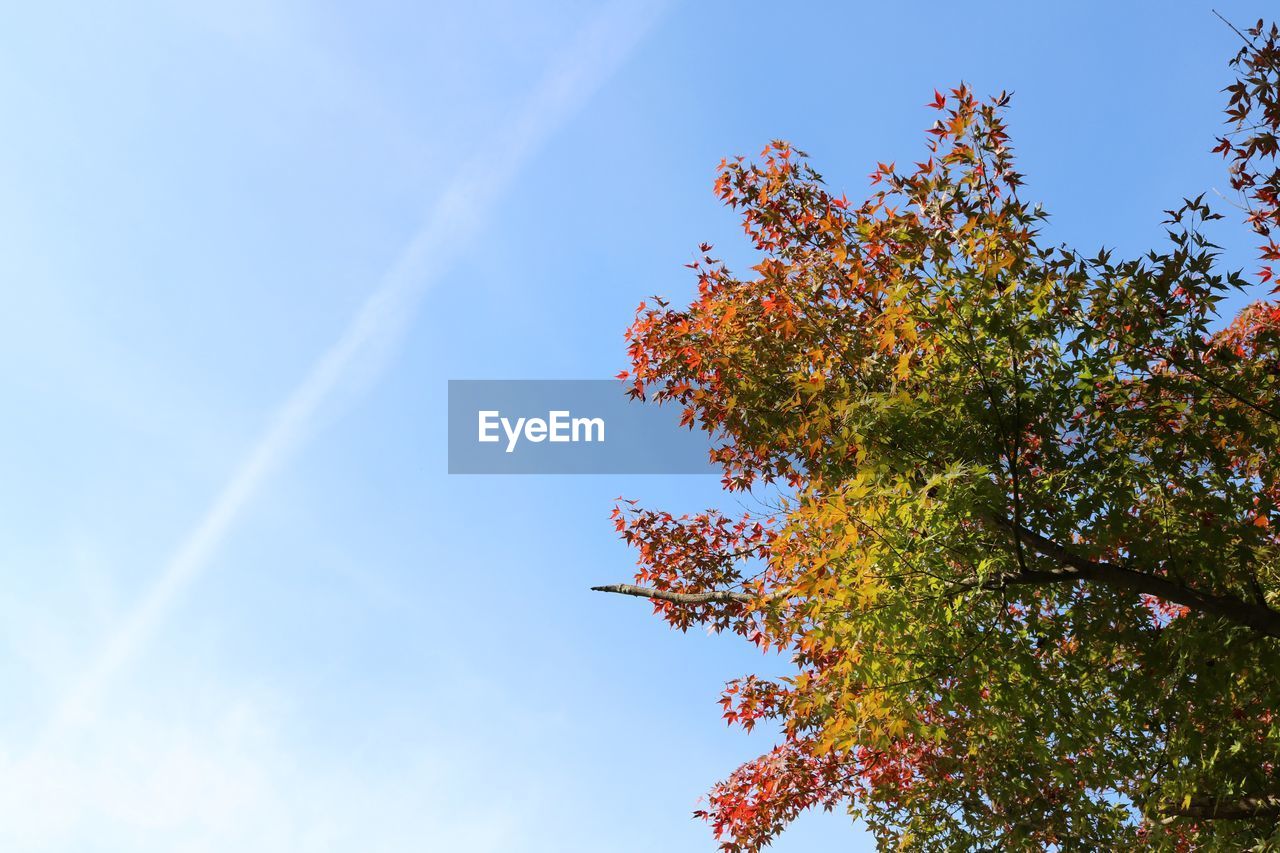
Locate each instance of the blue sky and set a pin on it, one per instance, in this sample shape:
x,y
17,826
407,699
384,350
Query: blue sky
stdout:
x,y
245,244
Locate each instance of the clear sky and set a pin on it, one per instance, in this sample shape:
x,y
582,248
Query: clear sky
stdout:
x,y
244,244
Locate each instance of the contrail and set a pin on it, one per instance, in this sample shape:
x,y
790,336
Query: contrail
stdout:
x,y
582,67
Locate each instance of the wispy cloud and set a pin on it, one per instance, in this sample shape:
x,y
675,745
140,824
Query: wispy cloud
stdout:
x,y
454,218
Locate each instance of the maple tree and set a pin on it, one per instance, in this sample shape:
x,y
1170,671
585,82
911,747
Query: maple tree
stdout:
x,y
1022,548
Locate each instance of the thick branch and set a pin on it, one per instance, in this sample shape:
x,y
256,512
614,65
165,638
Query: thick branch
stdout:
x,y
1211,808
1074,567
721,595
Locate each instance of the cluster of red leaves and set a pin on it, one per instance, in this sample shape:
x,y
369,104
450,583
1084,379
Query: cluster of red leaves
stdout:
x,y
695,553
1253,143
1163,612
819,297
763,796
1253,338
1254,335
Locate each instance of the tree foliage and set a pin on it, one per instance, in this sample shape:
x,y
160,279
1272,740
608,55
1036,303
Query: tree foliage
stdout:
x,y
1023,554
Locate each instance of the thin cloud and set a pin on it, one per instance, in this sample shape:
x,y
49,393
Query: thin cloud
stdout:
x,y
596,52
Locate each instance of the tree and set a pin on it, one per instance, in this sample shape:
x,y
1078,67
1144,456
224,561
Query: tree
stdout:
x,y
1019,533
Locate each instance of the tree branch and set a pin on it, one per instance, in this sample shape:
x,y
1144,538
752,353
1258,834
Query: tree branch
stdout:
x,y
1211,808
1258,617
717,596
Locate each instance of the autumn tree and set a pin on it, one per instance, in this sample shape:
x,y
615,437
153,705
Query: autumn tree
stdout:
x,y
1019,535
